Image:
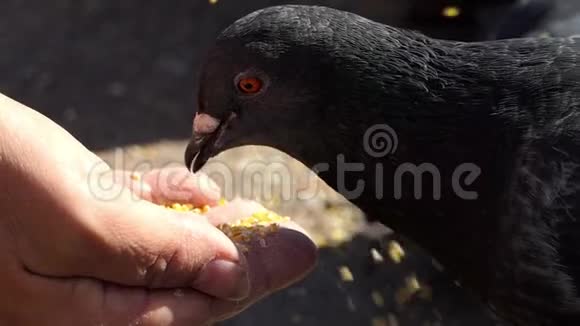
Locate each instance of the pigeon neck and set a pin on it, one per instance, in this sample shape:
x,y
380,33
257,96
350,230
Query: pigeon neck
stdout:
x,y
454,230
437,169
447,138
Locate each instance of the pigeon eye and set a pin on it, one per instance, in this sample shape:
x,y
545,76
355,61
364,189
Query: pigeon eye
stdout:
x,y
250,85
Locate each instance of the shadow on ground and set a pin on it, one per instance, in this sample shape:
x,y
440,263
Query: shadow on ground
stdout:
x,y
374,297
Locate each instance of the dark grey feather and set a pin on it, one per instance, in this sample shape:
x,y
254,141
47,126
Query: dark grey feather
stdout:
x,y
511,107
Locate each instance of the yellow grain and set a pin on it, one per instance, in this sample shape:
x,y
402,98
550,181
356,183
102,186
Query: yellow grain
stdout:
x,y
345,274
396,252
378,299
451,12
253,228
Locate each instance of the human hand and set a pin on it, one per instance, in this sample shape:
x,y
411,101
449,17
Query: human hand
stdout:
x,y
75,252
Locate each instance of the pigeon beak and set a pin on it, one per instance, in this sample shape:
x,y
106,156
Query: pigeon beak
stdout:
x,y
206,141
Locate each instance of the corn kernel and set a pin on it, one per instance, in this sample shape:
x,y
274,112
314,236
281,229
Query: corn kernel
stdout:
x,y
412,286
413,283
376,256
345,274
451,11
180,207
255,227
378,299
396,252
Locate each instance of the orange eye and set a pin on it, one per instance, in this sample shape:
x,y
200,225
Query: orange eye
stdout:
x,y
250,85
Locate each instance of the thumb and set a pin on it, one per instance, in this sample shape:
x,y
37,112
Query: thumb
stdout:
x,y
137,243
156,247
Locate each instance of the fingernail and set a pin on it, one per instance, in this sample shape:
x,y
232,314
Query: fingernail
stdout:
x,y
224,279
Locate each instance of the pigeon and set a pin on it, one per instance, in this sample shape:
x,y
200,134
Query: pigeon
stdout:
x,y
471,150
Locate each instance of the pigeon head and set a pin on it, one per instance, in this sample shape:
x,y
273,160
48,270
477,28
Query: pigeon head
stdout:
x,y
278,75
264,83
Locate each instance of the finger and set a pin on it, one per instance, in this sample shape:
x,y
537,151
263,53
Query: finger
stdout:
x,y
131,180
89,302
175,250
129,306
286,257
274,261
278,260
233,211
143,244
170,185
178,185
